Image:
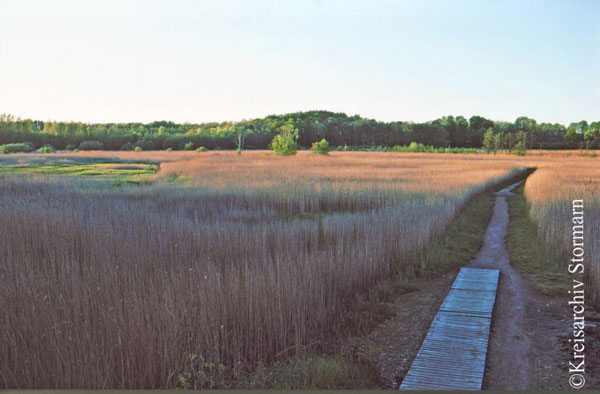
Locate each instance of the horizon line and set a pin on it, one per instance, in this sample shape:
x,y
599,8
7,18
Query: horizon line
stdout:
x,y
20,118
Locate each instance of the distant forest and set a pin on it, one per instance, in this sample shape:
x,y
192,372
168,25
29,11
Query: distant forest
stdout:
x,y
338,129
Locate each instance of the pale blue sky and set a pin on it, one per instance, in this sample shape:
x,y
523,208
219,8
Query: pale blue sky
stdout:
x,y
194,61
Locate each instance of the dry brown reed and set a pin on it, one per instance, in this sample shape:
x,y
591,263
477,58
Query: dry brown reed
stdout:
x,y
550,191
256,259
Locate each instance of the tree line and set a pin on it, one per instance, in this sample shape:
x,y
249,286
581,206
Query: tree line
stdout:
x,y
338,129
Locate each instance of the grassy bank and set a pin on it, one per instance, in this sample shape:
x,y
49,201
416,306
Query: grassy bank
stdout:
x,y
529,253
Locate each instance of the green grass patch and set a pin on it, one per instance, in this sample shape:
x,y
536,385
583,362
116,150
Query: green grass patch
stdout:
x,y
529,254
316,372
461,240
122,172
176,178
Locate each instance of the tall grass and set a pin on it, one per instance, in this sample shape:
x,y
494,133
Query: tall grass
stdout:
x,y
550,191
258,259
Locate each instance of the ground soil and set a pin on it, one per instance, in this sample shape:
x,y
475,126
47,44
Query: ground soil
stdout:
x,y
528,346
509,348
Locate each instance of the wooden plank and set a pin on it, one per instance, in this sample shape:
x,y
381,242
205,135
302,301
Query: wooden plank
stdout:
x,y
453,354
469,302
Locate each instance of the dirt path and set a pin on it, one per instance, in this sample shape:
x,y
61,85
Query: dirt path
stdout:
x,y
528,346
528,340
507,364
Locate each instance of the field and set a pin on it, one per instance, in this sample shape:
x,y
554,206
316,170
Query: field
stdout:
x,y
221,263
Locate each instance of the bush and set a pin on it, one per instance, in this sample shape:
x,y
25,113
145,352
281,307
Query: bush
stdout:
x,y
91,145
16,148
321,147
46,149
201,149
519,149
128,146
188,146
416,147
138,149
169,149
70,147
284,144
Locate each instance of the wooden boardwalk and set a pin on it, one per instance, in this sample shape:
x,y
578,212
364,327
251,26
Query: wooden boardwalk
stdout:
x,y
453,353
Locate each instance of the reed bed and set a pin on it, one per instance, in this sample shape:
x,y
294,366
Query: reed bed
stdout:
x,y
550,192
253,260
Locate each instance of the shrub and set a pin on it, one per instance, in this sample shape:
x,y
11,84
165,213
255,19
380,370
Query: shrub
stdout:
x,y
188,146
321,147
201,149
16,148
46,149
169,149
70,147
418,147
128,146
138,149
91,145
284,143
519,149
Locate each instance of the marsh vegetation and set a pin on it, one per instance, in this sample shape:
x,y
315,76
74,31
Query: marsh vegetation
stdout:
x,y
254,259
243,262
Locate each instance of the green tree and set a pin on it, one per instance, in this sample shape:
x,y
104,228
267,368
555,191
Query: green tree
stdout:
x,y
591,134
478,123
489,140
523,123
578,128
525,127
461,133
285,143
571,138
499,141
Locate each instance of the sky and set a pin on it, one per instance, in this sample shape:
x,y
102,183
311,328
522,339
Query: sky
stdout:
x,y
201,61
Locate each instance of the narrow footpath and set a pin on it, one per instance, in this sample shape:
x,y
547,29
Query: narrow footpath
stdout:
x,y
509,347
528,336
